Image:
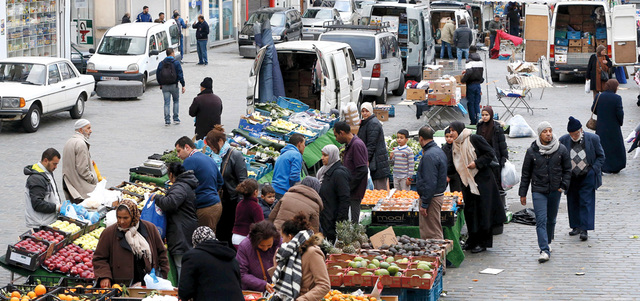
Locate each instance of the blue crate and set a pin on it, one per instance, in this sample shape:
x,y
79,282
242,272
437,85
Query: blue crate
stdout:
x,y
308,139
432,294
292,104
403,28
263,112
562,42
600,35
574,35
562,34
244,125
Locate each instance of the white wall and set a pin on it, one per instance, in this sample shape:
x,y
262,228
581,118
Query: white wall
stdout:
x,y
155,7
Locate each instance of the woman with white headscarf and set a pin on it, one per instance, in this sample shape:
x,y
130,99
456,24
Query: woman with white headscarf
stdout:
x,y
334,191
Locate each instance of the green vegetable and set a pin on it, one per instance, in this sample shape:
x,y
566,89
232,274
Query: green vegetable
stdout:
x,y
171,157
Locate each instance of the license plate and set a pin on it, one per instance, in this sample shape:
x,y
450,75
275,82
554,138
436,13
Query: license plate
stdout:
x,y
243,36
109,78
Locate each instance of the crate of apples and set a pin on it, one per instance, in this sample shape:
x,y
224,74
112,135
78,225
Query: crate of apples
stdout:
x,y
72,260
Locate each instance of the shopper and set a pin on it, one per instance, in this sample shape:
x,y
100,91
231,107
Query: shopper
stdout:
x,y
300,273
472,156
129,249
334,191
301,198
41,196
462,40
599,63
211,270
202,36
402,158
179,207
78,172
182,25
144,16
608,107
169,74
492,131
248,211
547,167
455,184
126,18
514,21
473,77
206,108
256,254
587,158
267,199
288,167
446,37
160,18
208,206
372,134
354,158
431,184
494,26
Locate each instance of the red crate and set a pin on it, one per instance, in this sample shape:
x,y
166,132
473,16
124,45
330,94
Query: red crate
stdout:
x,y
409,281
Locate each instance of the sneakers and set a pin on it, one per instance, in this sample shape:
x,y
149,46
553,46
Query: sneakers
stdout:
x,y
544,257
574,232
583,235
176,122
167,123
550,250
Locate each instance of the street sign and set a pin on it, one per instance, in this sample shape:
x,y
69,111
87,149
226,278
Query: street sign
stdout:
x,y
85,32
82,4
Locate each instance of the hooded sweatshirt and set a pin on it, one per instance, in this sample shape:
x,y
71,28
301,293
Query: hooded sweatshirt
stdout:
x,y
474,72
286,172
41,196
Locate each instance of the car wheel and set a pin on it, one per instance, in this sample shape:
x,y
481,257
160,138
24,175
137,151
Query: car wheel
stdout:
x,y
77,110
31,122
144,83
382,99
400,90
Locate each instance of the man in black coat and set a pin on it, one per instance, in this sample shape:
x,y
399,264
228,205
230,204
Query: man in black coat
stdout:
x,y
372,135
206,108
202,36
431,184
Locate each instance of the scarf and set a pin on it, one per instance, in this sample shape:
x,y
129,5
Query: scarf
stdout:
x,y
136,241
201,234
463,154
84,138
334,156
550,148
488,128
288,274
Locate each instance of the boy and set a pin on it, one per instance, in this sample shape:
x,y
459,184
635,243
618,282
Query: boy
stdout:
x,y
452,176
403,162
266,201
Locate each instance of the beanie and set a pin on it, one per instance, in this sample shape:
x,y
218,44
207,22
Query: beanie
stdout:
x,y
573,125
80,124
207,83
542,126
367,106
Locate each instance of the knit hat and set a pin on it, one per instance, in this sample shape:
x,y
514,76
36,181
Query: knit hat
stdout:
x,y
207,83
542,126
311,182
201,234
573,125
367,106
80,124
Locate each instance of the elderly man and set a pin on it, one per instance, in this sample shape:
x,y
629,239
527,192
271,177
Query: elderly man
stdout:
x,y
78,173
587,158
42,198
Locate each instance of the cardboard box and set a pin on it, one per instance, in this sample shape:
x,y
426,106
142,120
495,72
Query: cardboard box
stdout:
x,y
586,42
139,292
305,77
290,75
382,115
588,49
589,26
561,50
575,43
575,19
305,91
458,78
442,86
438,99
463,90
447,63
601,42
587,10
562,19
575,10
575,49
292,91
431,74
416,94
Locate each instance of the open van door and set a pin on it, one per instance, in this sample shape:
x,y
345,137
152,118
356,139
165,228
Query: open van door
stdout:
x,y
429,43
254,77
624,38
415,45
536,32
328,91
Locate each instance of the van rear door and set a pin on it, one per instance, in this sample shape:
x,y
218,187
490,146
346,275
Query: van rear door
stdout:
x,y
342,77
536,32
328,91
415,42
624,38
254,77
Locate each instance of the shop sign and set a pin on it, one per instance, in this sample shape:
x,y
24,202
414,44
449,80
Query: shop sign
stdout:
x,y
85,32
82,4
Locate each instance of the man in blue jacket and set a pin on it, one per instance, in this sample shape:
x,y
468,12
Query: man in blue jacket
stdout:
x,y
587,157
144,16
182,25
168,81
431,183
202,36
286,172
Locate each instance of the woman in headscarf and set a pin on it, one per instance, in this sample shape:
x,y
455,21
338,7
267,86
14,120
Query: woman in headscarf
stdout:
x,y
491,131
302,197
129,249
209,270
334,191
608,107
473,156
598,62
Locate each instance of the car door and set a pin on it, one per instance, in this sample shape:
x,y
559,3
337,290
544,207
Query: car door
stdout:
x,y
415,43
536,32
624,40
429,47
342,77
56,90
153,60
356,76
328,97
384,55
71,83
162,43
254,79
298,24
395,63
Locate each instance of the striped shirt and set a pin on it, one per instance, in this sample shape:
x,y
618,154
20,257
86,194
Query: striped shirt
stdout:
x,y
403,162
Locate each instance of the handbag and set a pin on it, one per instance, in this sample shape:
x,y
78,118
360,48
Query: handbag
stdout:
x,y
604,76
591,124
224,167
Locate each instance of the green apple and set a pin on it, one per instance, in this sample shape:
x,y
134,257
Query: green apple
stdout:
x,y
390,259
384,265
367,274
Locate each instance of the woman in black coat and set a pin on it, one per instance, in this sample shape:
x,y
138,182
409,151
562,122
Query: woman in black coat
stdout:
x,y
598,61
179,205
334,191
494,134
608,107
483,211
372,135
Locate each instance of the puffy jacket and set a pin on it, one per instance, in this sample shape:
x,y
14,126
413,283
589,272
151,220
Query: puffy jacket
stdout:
x,y
372,135
286,171
202,30
40,199
463,37
432,173
176,65
474,71
546,173
299,198
446,34
335,194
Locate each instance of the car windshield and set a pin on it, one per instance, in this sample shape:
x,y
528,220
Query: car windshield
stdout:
x,y
122,45
343,6
363,47
318,14
22,73
277,19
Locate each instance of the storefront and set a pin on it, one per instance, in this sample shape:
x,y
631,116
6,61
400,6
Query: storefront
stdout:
x,y
221,16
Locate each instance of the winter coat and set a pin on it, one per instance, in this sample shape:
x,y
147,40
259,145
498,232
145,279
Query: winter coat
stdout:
x,y
202,30
335,194
286,171
593,72
179,206
207,109
594,151
372,134
266,208
463,37
78,174
610,118
493,27
474,72
176,65
300,198
142,17
355,159
209,179
446,34
315,277
113,258
210,271
234,173
41,197
431,178
546,173
248,212
498,142
455,183
250,269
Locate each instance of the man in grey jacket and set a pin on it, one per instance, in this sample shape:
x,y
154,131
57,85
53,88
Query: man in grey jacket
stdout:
x,y
462,40
493,27
41,194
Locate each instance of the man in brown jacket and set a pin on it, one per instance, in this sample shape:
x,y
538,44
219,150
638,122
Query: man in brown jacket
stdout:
x,y
78,174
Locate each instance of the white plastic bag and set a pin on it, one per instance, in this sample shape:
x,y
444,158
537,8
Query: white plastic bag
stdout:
x,y
587,86
111,218
518,128
157,283
351,114
101,196
509,176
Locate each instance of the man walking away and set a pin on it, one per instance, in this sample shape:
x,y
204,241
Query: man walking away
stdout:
x,y
587,158
473,77
144,16
182,25
202,35
431,184
286,171
41,195
78,173
206,108
547,168
356,159
169,74
446,36
494,26
160,18
462,39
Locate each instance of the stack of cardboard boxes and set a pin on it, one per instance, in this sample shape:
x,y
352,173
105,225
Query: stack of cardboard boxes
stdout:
x,y
576,32
299,85
442,91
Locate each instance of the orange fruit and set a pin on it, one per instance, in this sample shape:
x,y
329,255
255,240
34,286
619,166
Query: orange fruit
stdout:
x,y
15,299
117,286
31,295
16,294
40,290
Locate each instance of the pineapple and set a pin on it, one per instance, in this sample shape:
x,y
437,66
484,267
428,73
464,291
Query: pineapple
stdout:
x,y
349,249
356,245
334,251
339,244
363,238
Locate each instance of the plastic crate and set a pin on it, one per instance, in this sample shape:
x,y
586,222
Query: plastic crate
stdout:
x,y
57,246
75,281
23,289
432,294
292,104
44,280
95,294
27,260
249,127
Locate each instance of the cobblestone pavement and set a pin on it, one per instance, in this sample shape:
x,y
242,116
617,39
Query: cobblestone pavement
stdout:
x,y
126,132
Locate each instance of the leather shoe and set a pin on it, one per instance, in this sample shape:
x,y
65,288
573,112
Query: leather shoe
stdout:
x,y
584,236
478,249
574,232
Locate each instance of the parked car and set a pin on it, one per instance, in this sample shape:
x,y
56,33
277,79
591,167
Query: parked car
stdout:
x,y
379,56
80,57
31,87
286,25
348,11
313,19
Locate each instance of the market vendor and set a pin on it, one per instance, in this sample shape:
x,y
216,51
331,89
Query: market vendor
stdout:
x,y
129,249
42,198
78,173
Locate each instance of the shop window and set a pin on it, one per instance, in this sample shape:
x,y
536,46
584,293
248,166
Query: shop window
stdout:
x,y
54,74
31,28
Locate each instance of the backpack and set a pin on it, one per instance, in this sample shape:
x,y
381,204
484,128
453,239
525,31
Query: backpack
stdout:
x,y
167,74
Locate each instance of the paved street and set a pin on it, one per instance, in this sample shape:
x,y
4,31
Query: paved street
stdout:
x,y
126,132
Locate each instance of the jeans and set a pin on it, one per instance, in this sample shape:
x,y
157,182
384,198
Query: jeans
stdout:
x,y
546,208
181,48
167,92
461,51
492,41
202,52
474,96
448,46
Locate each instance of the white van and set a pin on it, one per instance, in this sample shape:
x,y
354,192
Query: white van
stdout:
x,y
456,11
412,25
592,21
323,75
132,52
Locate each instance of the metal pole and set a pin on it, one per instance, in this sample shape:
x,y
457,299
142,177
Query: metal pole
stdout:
x,y
486,76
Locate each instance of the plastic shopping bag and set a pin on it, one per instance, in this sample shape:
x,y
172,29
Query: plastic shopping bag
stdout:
x,y
156,282
509,176
518,128
67,209
587,86
153,214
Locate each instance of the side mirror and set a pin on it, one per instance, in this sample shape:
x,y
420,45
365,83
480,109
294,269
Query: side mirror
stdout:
x,y
362,63
153,52
92,50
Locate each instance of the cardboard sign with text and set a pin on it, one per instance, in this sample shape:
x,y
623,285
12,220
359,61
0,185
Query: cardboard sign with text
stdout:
x,y
384,237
